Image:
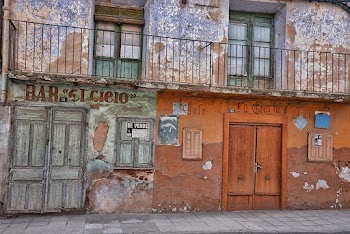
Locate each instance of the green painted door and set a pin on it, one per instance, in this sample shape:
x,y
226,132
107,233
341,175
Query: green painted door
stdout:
x,y
47,163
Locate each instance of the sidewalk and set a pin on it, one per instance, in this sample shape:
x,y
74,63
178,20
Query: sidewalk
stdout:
x,y
314,221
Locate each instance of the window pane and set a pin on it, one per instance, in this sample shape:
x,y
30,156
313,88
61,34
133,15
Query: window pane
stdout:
x,y
237,50
237,66
262,67
130,42
103,50
131,35
130,52
105,33
261,50
262,33
237,32
130,38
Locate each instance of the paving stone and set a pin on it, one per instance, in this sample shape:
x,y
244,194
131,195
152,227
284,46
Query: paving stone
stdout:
x,y
18,225
112,230
4,225
3,221
22,220
250,226
36,223
13,231
167,228
139,227
112,225
93,226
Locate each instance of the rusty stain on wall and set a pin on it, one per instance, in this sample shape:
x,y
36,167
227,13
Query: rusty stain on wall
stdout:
x,y
100,136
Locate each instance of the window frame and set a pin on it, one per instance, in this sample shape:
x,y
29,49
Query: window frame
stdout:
x,y
251,20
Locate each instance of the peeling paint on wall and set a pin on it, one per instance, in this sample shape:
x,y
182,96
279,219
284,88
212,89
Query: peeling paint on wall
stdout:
x,y
97,168
308,187
208,165
295,174
322,184
344,173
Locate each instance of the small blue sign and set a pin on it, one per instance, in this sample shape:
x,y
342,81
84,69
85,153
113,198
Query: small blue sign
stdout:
x,y
322,120
300,122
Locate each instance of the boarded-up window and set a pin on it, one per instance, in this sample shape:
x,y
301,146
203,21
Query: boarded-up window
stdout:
x,y
134,145
192,144
320,147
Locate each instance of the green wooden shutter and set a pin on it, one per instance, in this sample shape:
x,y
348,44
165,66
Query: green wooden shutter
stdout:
x,y
134,144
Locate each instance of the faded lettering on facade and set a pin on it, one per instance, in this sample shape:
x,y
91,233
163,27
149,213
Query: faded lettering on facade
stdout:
x,y
56,94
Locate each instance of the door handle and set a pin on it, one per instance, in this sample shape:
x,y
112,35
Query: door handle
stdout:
x,y
257,167
241,177
267,177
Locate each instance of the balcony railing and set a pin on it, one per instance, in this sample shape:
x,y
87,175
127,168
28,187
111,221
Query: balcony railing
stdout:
x,y
44,48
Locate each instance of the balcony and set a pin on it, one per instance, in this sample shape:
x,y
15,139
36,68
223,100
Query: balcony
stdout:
x,y
83,55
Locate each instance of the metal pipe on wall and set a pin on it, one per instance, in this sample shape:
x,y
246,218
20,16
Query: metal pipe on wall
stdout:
x,y
5,51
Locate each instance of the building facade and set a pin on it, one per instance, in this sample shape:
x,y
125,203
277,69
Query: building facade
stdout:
x,y
174,106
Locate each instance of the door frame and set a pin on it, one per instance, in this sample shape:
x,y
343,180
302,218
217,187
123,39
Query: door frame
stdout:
x,y
255,119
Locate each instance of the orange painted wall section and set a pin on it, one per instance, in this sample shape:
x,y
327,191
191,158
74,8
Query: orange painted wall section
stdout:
x,y
186,182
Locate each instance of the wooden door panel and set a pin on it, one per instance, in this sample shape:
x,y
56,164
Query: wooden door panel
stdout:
x,y
66,175
268,156
237,202
241,160
266,202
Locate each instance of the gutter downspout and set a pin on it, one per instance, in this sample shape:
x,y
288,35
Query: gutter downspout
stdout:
x,y
5,52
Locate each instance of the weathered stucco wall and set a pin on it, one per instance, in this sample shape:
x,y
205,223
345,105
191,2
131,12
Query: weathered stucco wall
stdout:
x,y
317,27
320,33
180,183
52,36
182,50
108,189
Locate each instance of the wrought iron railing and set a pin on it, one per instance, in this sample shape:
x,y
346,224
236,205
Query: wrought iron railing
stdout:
x,y
44,48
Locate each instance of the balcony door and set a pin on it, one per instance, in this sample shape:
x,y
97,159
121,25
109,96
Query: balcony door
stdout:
x,y
250,54
117,50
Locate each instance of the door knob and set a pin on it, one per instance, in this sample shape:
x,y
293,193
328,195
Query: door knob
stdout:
x,y
241,177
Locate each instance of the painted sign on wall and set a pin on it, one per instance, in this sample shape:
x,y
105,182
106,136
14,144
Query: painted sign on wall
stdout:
x,y
50,93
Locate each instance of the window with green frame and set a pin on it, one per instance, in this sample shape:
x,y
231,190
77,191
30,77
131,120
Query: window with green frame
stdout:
x,y
249,51
117,50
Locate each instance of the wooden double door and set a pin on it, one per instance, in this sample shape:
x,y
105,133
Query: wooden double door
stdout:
x,y
254,167
46,172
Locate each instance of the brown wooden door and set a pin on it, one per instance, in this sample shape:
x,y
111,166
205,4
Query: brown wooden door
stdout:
x,y
254,167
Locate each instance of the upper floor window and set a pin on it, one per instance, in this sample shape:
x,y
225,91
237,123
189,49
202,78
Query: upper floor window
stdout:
x,y
250,43
118,50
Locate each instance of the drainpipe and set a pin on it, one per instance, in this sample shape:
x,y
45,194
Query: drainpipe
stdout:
x,y
5,51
